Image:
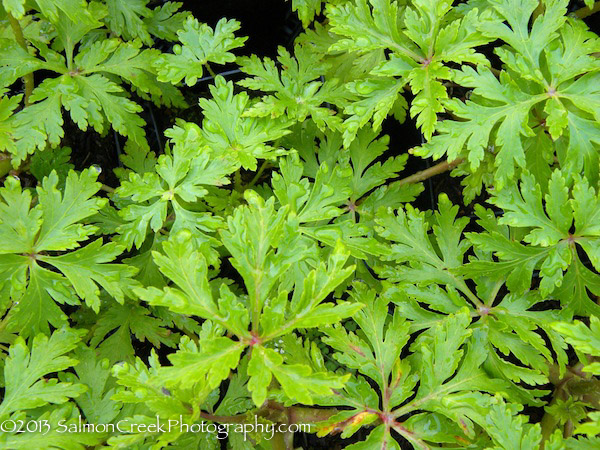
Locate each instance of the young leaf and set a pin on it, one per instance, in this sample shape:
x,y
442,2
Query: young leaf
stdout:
x,y
293,91
175,184
509,429
228,131
200,44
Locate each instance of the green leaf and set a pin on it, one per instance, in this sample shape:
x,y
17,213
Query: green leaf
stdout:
x,y
34,300
145,387
132,64
453,42
510,430
164,21
438,350
334,193
68,435
524,209
117,325
16,62
293,91
297,380
380,96
75,10
409,231
547,227
19,224
94,373
510,327
71,31
585,340
86,268
509,322
505,111
90,100
15,7
577,281
54,224
61,212
173,186
526,43
42,163
457,397
590,428
307,10
376,355
306,309
127,19
192,295
106,102
237,398
449,374
200,45
42,122
365,29
205,364
228,132
25,367
253,234
7,107
421,40
379,438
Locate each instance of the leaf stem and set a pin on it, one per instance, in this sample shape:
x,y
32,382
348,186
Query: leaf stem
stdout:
x,y
209,70
494,293
465,290
18,32
409,436
265,164
582,13
432,171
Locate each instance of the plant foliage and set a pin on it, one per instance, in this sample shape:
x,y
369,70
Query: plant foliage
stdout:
x,y
274,259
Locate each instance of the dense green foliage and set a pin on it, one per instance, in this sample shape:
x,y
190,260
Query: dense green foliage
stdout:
x,y
270,260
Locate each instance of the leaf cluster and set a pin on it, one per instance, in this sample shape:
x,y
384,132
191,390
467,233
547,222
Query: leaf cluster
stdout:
x,y
274,260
